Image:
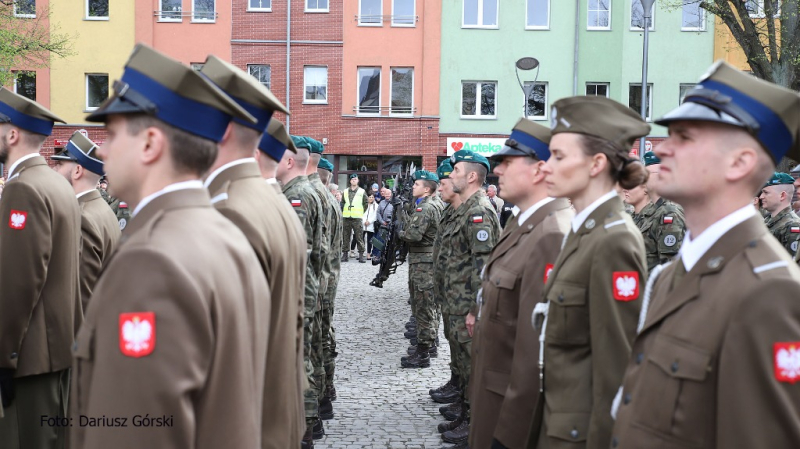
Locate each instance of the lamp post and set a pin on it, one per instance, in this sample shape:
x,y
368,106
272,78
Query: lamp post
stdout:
x,y
647,6
526,63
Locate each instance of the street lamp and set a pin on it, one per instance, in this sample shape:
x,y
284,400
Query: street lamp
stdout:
x,y
647,6
526,63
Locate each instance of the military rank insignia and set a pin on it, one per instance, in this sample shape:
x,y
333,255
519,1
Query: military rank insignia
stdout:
x,y
137,333
787,361
666,220
17,219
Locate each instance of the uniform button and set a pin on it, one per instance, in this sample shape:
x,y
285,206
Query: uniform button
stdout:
x,y
674,367
627,399
14,355
574,433
639,358
614,442
560,298
497,282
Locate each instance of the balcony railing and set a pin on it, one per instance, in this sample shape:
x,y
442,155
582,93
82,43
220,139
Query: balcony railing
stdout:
x,y
178,15
382,111
379,19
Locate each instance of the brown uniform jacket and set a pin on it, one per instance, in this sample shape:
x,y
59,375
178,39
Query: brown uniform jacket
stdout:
x,y
273,230
194,274
594,296
99,236
505,346
40,244
716,363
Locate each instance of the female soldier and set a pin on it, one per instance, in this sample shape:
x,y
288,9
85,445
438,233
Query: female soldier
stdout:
x,y
593,292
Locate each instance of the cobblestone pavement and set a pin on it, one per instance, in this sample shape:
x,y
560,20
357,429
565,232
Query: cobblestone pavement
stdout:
x,y
380,405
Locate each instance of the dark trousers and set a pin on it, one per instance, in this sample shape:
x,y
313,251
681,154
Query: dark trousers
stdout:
x,y
368,240
36,396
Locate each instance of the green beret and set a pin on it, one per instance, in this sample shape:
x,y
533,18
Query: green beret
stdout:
x,y
469,156
779,178
425,175
354,175
598,117
444,170
325,165
301,142
650,158
315,146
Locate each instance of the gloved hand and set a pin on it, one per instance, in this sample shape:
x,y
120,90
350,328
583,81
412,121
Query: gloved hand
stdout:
x,y
7,386
497,445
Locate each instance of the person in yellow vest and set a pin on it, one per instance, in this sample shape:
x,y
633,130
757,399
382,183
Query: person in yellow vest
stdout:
x,y
355,202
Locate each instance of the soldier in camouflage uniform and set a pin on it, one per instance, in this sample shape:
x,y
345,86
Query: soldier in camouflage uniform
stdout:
x,y
419,230
465,248
291,174
120,208
782,222
662,224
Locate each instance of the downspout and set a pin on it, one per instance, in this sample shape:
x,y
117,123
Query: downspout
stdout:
x,y
577,42
288,56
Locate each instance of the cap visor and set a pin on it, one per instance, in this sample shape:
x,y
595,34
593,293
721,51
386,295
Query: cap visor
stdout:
x,y
114,105
509,151
690,111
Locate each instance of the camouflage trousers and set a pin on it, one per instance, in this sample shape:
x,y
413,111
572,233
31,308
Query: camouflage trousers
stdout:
x,y
461,341
352,226
329,333
423,306
310,398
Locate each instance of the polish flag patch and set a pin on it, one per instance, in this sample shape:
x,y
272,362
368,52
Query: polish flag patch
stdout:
x,y
666,220
123,205
419,209
297,203
547,270
137,333
795,230
18,219
787,361
625,285
477,218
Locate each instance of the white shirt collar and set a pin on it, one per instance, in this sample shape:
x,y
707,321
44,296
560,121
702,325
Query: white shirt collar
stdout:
x,y
271,180
692,250
578,220
221,169
83,193
192,184
521,218
19,161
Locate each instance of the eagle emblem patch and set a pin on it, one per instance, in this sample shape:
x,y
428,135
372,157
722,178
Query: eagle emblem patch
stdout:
x,y
17,219
625,285
137,333
787,362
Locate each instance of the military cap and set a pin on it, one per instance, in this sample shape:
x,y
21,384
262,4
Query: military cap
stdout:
x,y
354,175
26,114
316,146
650,158
598,117
81,150
779,178
769,112
469,156
425,175
444,170
302,142
245,90
276,141
162,87
528,139
325,165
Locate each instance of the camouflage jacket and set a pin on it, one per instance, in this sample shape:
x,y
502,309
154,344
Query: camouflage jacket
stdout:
x,y
638,218
663,227
786,228
336,243
119,208
464,248
305,203
326,220
445,221
420,229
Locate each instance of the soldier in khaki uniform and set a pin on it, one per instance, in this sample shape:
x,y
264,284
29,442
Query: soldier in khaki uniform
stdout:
x,y
174,340
782,222
505,346
715,362
593,294
239,193
40,309
661,222
100,232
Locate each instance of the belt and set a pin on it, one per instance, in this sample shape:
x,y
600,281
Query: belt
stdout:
x,y
420,249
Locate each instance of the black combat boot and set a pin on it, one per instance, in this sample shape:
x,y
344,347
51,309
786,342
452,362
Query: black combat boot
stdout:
x,y
447,396
450,383
450,425
434,351
413,341
330,391
460,433
344,256
308,440
452,411
325,408
318,431
420,359
410,333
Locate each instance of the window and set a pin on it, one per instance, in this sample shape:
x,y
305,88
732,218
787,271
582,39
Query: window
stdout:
x,y
204,11
97,9
480,14
315,84
262,73
536,104
198,66
635,99
402,91
25,84
599,15
599,89
369,90
637,15
478,99
684,89
170,11
259,5
25,8
96,89
316,5
693,17
537,14
370,12
404,13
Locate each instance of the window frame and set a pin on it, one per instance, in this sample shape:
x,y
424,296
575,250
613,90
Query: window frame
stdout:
x,y
598,83
478,91
314,101
306,9
251,9
762,13
702,22
86,89
410,113
413,23
546,98
652,19
690,86
24,16
97,18
268,66
649,118
480,17
16,79
594,28
370,24
163,18
213,18
537,27
358,91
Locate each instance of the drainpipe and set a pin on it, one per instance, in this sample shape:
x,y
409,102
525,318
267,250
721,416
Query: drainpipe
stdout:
x,y
288,55
575,55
